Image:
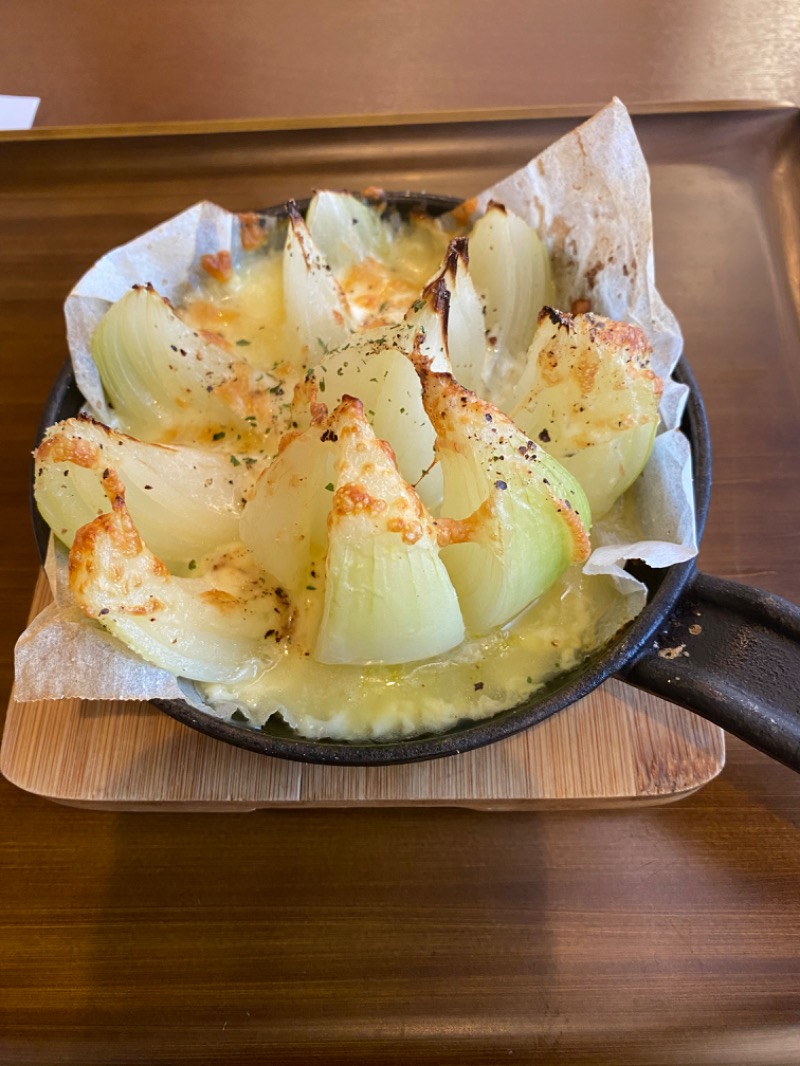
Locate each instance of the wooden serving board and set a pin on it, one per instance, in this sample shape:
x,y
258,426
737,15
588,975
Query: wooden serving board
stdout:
x,y
615,747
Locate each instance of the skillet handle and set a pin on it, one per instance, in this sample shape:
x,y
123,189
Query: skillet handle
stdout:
x,y
730,653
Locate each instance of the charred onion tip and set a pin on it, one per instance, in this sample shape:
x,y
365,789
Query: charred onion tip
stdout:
x,y
458,248
439,294
293,211
150,287
422,363
558,318
348,405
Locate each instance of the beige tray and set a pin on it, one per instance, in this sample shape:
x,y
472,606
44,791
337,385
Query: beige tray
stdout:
x,y
617,746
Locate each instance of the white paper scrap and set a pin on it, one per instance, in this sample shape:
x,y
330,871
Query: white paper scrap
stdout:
x,y
18,112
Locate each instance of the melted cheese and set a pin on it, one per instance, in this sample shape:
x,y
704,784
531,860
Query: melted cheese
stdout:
x,y
475,680
248,310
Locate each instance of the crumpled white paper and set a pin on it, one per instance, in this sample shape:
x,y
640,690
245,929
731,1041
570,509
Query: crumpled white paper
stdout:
x,y
588,195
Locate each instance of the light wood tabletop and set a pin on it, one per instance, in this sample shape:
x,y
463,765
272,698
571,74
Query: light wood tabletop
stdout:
x,y
659,935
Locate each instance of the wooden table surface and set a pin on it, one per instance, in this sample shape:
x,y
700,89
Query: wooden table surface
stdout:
x,y
665,936
252,59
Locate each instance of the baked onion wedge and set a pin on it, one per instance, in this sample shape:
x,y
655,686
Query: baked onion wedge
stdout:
x,y
374,367
196,628
447,321
512,519
346,230
510,268
388,598
165,381
183,500
380,262
317,312
589,397
284,523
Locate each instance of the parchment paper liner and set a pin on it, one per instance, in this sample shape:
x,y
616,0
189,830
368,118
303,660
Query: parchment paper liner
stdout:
x,y
588,195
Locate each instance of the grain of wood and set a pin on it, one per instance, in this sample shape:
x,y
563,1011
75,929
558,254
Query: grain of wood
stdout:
x,y
439,937
617,745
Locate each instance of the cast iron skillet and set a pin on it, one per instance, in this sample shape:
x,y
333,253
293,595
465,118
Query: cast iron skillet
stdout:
x,y
742,670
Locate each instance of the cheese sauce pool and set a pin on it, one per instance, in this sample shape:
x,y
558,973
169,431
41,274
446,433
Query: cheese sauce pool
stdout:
x,y
248,310
475,680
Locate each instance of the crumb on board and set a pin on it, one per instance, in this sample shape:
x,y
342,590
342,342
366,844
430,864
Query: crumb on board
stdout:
x,y
673,653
